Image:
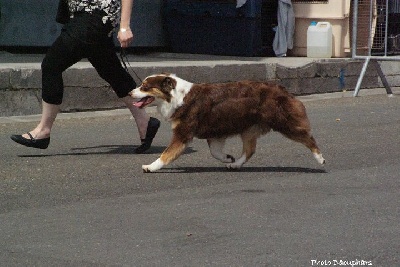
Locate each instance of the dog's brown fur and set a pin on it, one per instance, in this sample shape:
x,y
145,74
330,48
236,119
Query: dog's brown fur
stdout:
x,y
218,111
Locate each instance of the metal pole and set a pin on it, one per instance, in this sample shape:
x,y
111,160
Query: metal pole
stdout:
x,y
383,78
370,38
386,26
369,57
364,69
355,26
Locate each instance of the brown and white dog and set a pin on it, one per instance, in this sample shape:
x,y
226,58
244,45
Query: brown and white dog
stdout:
x,y
221,110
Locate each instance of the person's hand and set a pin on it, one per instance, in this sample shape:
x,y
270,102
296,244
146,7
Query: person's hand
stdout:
x,y
125,37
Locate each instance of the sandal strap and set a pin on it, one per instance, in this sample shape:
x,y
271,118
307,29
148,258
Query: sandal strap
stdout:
x,y
32,138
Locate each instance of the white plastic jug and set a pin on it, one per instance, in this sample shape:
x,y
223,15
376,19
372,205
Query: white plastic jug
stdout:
x,y
319,40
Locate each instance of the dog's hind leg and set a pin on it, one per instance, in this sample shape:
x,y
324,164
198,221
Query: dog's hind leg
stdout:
x,y
216,149
305,137
296,126
249,139
172,152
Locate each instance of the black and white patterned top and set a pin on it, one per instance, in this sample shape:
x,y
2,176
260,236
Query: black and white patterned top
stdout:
x,y
112,8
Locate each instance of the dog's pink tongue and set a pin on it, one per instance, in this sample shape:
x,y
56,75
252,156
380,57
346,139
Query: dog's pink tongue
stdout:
x,y
143,102
139,104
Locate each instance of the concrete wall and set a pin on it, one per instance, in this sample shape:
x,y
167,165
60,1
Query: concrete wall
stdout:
x,y
20,88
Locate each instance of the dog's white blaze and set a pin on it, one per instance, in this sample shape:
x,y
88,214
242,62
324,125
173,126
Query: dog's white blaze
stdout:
x,y
178,94
156,165
136,93
319,158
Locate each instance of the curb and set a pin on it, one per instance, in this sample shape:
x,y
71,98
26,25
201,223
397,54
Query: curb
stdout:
x,y
20,83
153,110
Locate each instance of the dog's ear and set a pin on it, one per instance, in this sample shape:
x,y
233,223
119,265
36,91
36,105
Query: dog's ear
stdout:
x,y
168,84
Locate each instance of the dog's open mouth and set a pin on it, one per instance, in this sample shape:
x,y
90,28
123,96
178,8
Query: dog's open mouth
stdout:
x,y
144,101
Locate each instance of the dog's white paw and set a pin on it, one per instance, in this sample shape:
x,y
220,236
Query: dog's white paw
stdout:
x,y
319,158
237,164
147,168
233,166
155,166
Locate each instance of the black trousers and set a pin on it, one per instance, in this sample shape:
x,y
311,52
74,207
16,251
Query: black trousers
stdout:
x,y
84,36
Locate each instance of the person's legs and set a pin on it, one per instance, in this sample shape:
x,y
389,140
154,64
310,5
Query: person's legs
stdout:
x,y
64,53
43,129
109,67
147,126
140,116
61,55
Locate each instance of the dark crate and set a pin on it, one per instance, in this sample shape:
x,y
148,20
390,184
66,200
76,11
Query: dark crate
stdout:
x,y
218,27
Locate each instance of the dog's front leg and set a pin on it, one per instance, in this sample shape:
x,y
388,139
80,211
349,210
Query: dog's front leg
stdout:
x,y
172,152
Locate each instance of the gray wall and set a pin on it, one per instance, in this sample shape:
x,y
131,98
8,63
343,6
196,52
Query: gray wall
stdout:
x,y
32,23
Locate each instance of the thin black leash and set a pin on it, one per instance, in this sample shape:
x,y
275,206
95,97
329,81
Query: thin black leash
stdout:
x,y
122,55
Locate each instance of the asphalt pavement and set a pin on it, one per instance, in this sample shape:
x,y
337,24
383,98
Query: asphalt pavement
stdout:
x,y
86,202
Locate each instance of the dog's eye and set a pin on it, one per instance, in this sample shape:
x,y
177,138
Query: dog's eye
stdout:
x,y
145,88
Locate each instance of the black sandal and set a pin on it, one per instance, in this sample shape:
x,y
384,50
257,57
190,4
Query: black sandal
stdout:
x,y
32,142
152,128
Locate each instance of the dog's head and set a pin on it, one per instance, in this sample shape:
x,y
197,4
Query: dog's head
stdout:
x,y
155,87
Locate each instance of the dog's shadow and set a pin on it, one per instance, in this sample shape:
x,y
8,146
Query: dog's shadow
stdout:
x,y
130,149
106,150
118,149
244,169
